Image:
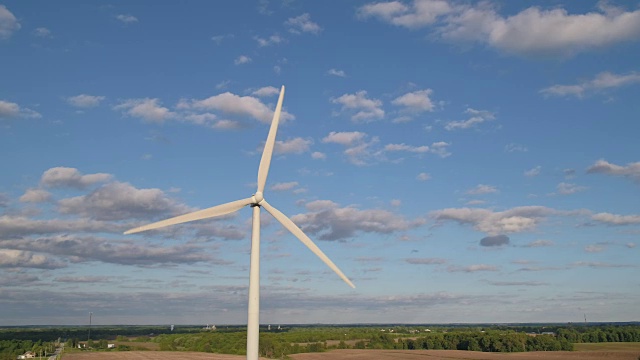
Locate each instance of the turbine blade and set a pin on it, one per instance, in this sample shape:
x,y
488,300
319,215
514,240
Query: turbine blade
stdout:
x,y
265,162
196,215
295,230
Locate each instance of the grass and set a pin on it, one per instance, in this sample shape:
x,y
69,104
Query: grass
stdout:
x,y
615,346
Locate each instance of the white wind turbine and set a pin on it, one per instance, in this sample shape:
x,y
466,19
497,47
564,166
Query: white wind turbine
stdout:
x,y
256,202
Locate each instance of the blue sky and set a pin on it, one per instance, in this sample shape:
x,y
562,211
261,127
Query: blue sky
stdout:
x,y
459,161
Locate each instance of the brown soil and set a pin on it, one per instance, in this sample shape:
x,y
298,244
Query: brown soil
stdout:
x,y
465,355
150,355
631,354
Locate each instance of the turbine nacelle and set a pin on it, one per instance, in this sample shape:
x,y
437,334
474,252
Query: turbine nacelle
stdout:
x,y
257,198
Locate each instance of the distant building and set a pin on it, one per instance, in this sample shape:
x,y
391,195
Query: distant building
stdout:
x,y
27,355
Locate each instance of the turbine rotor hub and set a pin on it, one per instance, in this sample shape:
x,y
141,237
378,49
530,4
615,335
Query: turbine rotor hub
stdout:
x,y
258,197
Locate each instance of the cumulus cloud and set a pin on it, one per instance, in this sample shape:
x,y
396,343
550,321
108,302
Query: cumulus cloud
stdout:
x,y
513,147
85,101
302,23
266,91
602,81
336,72
615,219
12,110
42,32
237,105
417,101
631,170
477,117
271,40
91,248
346,138
540,243
362,108
496,240
533,171
26,259
11,225
567,188
407,148
127,18
70,177
515,220
423,177
284,186
292,146
530,32
316,155
8,23
148,109
242,59
121,201
330,222
35,196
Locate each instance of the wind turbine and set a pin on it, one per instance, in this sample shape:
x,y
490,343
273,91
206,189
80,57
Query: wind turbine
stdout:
x,y
256,201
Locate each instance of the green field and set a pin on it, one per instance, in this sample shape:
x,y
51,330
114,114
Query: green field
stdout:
x,y
613,346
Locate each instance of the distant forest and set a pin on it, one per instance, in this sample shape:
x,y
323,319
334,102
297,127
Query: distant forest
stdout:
x,y
285,340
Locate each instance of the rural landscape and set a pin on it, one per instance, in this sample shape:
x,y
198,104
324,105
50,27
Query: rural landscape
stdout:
x,y
363,179
304,342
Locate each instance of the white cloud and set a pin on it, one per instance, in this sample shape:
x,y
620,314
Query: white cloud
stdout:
x,y
518,219
417,101
440,148
531,32
365,109
336,72
477,117
346,138
423,177
303,23
540,243
513,147
419,14
567,189
533,171
482,189
42,32
13,110
85,101
26,259
330,222
271,40
70,177
127,18
284,186
238,105
318,155
242,59
630,245
121,201
614,219
35,196
408,148
8,23
266,91
219,38
147,109
292,146
631,170
602,81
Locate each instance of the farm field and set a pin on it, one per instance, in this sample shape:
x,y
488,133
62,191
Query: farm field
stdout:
x,y
609,351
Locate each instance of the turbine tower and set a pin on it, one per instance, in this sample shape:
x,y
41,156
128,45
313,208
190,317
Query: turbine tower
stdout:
x,y
256,201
